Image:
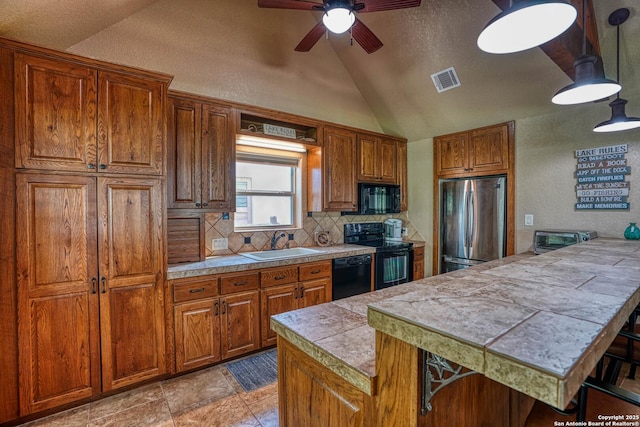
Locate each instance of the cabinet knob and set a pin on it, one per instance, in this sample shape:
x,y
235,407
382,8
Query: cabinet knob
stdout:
x,y
301,291
91,166
224,307
104,284
198,204
217,308
103,166
204,205
94,281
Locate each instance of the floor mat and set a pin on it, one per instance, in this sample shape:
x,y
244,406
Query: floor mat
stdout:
x,y
255,371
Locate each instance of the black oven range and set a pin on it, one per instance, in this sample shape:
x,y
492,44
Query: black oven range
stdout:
x,y
393,260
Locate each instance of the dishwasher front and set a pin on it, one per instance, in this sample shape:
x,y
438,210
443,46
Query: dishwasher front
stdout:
x,y
351,276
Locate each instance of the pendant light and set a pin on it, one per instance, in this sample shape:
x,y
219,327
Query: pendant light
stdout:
x,y
590,84
619,120
525,25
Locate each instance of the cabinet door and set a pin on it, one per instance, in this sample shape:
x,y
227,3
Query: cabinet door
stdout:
x,y
57,271
130,124
55,118
240,323
131,269
451,154
339,159
489,149
218,159
314,292
276,300
387,170
418,263
183,160
367,158
402,175
197,333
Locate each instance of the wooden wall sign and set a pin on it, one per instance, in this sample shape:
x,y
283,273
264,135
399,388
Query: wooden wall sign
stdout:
x,y
602,178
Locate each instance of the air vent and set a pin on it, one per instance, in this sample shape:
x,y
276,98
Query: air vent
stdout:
x,y
445,79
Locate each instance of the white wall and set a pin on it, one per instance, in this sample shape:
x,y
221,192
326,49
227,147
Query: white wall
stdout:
x,y
545,163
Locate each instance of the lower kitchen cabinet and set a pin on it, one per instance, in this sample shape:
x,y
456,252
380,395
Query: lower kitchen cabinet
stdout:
x,y
418,263
210,327
240,323
89,273
309,284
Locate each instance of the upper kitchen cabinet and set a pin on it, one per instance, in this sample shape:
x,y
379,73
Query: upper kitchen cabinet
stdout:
x,y
201,154
484,151
72,116
377,159
340,191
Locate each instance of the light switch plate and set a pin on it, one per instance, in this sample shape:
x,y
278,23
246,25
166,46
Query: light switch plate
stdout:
x,y
219,244
528,219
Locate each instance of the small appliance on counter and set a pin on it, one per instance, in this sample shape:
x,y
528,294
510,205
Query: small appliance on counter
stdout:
x,y
393,230
549,240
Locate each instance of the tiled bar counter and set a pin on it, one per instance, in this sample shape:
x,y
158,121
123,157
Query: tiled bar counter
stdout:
x,y
528,326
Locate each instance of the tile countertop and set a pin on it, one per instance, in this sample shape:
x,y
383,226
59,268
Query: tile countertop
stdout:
x,y
234,263
337,333
538,325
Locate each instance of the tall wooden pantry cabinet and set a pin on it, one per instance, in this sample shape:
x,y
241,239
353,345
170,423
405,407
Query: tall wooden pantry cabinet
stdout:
x,y
89,266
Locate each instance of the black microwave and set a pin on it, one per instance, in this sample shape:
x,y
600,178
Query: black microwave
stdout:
x,y
376,199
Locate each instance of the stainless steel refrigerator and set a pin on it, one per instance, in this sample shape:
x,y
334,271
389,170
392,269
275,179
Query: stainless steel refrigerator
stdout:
x,y
472,221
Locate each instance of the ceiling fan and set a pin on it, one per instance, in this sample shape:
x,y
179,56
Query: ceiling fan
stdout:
x,y
339,16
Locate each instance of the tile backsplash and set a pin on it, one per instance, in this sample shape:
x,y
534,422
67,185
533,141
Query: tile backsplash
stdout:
x,y
219,228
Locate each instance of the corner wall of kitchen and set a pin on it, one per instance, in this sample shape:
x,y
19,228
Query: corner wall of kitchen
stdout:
x,y
545,181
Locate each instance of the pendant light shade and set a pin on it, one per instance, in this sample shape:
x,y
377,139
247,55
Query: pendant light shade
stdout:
x,y
338,20
619,120
525,25
590,83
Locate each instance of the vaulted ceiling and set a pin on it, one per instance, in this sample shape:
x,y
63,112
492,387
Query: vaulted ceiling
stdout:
x,y
234,50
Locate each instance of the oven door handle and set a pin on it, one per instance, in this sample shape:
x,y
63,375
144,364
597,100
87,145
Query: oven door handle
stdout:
x,y
400,253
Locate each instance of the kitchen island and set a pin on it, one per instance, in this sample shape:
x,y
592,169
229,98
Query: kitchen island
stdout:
x,y
512,330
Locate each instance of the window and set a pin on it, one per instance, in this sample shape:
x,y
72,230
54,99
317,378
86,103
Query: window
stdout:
x,y
267,189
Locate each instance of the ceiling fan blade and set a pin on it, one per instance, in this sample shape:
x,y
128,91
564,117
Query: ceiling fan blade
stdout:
x,y
380,5
311,38
291,4
365,37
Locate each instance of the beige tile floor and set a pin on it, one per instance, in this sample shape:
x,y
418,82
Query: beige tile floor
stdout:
x,y
211,397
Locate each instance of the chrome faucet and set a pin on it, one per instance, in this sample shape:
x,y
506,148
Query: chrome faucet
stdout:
x,y
275,238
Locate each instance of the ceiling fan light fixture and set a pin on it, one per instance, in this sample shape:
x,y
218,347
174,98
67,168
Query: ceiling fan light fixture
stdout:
x,y
590,84
526,24
338,20
619,120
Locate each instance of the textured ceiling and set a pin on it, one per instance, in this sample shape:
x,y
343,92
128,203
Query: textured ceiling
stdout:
x,y
390,90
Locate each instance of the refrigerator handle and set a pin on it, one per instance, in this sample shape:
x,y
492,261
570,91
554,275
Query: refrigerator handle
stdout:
x,y
470,221
466,223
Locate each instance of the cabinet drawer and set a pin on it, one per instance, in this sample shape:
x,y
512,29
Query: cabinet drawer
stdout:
x,y
315,270
279,276
239,282
189,291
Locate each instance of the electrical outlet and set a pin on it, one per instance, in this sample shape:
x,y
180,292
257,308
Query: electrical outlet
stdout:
x,y
219,244
528,219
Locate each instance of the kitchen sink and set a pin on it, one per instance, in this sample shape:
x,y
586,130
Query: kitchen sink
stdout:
x,y
279,253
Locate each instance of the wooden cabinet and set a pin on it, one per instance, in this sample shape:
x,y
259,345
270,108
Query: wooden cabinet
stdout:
x,y
483,151
289,288
418,263
89,286
377,160
73,117
339,164
201,158
197,328
403,178
240,323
